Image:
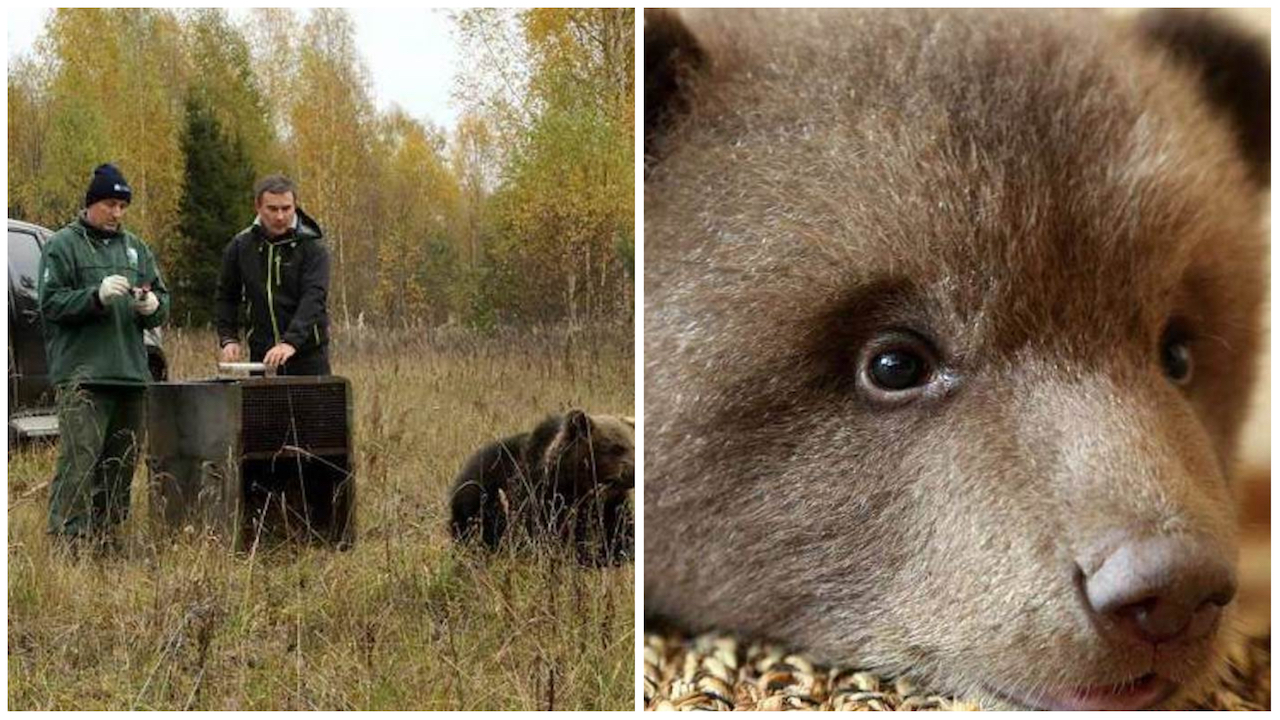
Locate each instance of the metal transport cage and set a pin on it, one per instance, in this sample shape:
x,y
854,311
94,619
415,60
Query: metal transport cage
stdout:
x,y
252,460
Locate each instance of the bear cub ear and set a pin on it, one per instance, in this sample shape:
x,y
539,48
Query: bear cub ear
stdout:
x,y
671,57
565,431
1234,68
577,425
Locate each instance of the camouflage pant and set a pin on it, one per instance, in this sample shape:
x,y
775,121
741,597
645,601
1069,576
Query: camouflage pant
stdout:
x,y
101,430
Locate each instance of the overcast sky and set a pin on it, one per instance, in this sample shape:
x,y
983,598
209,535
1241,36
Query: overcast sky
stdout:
x,y
409,52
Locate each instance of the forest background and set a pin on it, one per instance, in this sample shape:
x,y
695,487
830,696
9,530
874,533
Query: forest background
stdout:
x,y
522,213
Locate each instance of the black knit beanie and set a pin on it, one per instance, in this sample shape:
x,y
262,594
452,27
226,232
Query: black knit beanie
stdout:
x,y
107,183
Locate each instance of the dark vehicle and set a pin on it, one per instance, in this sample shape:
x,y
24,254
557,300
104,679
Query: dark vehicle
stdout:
x,y
31,403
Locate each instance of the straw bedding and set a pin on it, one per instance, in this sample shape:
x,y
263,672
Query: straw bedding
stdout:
x,y
712,672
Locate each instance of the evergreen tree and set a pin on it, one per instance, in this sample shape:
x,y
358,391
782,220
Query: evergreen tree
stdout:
x,y
217,198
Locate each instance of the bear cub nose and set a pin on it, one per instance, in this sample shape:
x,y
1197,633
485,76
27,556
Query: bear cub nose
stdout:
x,y
1161,589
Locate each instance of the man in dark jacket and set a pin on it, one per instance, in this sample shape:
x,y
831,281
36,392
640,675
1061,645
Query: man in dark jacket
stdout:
x,y
99,289
279,268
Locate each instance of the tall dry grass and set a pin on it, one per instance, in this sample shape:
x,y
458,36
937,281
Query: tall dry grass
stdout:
x,y
405,620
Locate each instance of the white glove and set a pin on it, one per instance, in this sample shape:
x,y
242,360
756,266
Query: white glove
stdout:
x,y
113,286
147,304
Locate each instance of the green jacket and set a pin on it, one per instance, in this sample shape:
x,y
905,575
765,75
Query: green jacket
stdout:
x,y
85,341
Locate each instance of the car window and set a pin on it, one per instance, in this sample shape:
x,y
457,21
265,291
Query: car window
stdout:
x,y
24,261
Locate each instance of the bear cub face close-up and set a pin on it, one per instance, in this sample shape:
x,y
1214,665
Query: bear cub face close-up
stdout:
x,y
568,480
950,321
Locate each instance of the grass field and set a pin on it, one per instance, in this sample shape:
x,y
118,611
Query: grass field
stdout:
x,y
404,620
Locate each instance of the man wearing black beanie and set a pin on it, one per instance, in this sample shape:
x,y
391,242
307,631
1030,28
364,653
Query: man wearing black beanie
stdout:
x,y
100,288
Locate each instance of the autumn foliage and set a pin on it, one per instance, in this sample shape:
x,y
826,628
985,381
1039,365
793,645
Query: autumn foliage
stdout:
x,y
522,212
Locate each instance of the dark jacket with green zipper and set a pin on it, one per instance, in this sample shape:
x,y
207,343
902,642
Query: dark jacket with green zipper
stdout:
x,y
87,342
284,281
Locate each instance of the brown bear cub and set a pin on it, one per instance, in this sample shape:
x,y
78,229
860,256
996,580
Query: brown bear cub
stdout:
x,y
949,326
569,479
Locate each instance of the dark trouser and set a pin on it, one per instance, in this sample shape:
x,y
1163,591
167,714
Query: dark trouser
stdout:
x,y
312,362
101,430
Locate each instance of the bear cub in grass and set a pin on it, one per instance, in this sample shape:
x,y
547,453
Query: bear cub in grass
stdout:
x,y
950,323
569,479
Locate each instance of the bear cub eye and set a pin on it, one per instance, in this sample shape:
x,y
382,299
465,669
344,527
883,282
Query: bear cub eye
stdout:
x,y
1175,356
897,370
897,366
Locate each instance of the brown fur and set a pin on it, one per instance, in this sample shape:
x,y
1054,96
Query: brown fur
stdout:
x,y
569,478
1040,194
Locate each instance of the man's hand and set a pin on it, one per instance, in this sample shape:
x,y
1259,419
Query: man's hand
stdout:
x,y
231,352
113,286
277,355
147,304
